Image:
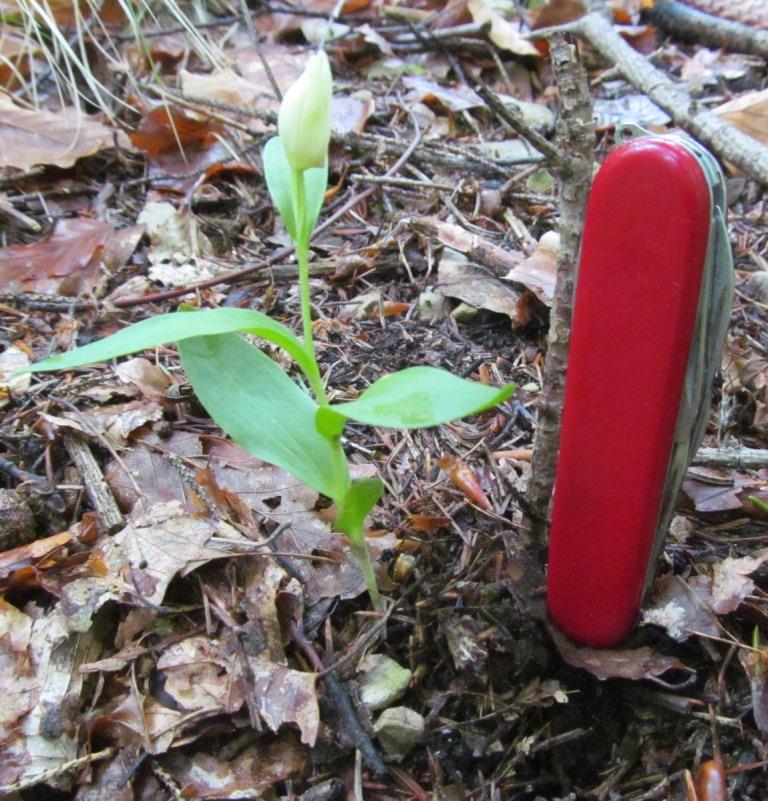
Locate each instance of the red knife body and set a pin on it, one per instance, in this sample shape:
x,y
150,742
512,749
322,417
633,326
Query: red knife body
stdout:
x,y
640,274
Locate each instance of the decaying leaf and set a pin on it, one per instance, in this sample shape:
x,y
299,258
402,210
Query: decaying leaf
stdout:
x,y
682,607
748,113
142,559
202,673
207,777
731,582
40,659
755,664
30,137
719,494
73,259
281,694
633,664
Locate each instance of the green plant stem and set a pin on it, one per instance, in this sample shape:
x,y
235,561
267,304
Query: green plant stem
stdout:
x,y
363,556
302,256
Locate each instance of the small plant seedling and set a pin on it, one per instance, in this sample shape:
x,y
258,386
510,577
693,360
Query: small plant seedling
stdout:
x,y
246,393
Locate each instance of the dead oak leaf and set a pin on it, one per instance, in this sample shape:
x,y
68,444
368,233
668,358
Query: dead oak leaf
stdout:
x,y
30,137
72,259
631,663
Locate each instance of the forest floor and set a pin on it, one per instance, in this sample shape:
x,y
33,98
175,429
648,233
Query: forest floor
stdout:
x,y
178,620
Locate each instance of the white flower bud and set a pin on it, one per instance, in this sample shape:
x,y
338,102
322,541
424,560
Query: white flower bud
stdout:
x,y
304,121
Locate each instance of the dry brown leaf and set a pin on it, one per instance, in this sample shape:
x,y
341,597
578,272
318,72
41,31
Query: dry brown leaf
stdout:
x,y
73,259
748,113
721,494
460,278
539,270
203,673
504,34
178,143
682,607
58,138
731,583
141,560
750,12
280,694
633,664
207,777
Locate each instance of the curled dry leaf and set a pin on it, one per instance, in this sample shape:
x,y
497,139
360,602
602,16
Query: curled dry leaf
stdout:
x,y
59,138
539,270
73,259
631,663
460,278
465,478
505,34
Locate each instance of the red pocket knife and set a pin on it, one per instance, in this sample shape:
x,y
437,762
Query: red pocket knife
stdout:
x,y
652,303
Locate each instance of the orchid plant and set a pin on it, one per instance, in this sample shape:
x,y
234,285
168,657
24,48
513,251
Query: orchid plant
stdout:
x,y
266,412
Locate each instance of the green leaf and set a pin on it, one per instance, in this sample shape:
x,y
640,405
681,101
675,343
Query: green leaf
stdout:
x,y
256,403
413,398
179,326
277,172
361,497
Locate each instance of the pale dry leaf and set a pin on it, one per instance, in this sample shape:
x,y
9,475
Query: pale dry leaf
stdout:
x,y
731,582
35,137
143,721
748,113
151,380
44,737
117,421
539,271
13,359
203,673
506,35
749,12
